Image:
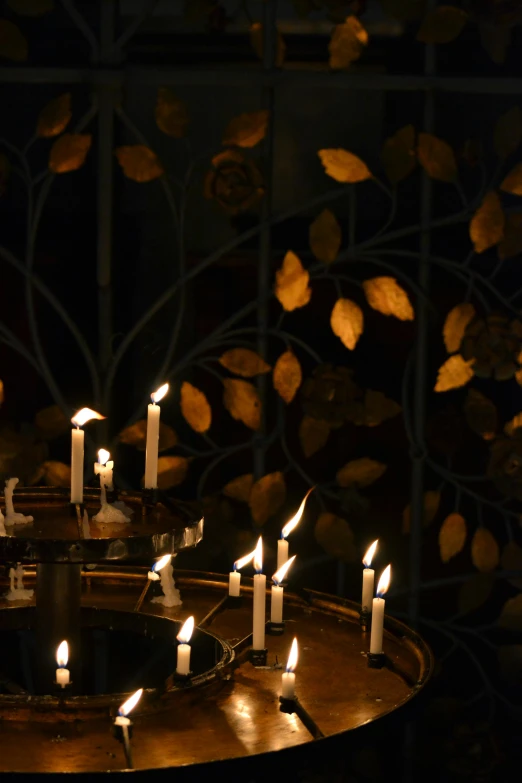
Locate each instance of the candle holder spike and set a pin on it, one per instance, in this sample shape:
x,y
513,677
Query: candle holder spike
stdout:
x,y
365,619
124,735
275,629
258,657
294,706
376,660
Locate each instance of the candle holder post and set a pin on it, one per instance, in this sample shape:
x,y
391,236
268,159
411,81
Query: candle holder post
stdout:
x,y
275,629
376,660
123,733
290,706
365,619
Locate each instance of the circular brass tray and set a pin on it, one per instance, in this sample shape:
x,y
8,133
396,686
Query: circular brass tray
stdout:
x,y
53,536
237,713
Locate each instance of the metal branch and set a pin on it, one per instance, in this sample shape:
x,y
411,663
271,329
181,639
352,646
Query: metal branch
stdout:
x,y
83,27
147,9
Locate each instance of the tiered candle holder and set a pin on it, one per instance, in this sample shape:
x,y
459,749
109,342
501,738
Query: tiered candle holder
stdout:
x,y
228,709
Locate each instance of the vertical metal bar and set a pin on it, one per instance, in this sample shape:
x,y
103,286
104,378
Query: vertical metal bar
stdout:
x,y
106,104
421,346
265,238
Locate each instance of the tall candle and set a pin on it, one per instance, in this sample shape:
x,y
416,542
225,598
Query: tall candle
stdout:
x,y
234,577
288,678
63,676
183,637
77,451
378,612
368,578
276,606
152,446
258,624
282,544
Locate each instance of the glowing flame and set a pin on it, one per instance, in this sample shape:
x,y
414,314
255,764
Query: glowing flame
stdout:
x,y
292,658
367,559
186,631
160,393
84,415
384,582
258,556
161,563
279,575
243,561
292,523
129,705
62,654
103,456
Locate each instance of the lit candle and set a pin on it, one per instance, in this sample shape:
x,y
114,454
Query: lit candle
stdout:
x,y
63,675
378,612
151,451
152,576
234,577
77,445
103,468
282,544
368,579
183,637
276,606
122,719
123,723
288,678
258,626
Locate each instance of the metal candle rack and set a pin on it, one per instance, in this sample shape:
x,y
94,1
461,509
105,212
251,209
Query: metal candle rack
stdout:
x,y
327,627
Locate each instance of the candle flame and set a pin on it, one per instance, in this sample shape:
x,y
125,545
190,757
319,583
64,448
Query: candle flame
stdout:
x,y
84,415
368,557
161,563
129,705
160,393
292,523
292,658
384,582
103,456
280,574
186,631
243,561
62,654
258,556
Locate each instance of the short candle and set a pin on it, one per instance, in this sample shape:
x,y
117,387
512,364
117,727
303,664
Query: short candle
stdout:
x,y
259,615
282,544
126,707
288,678
276,606
63,675
378,612
77,451
234,577
152,445
368,578
183,637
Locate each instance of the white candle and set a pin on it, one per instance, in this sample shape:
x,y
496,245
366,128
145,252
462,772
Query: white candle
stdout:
x,y
282,544
368,578
234,583
126,707
234,577
259,616
63,675
288,678
152,446
378,613
276,606
282,552
183,637
77,451
104,469
77,436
